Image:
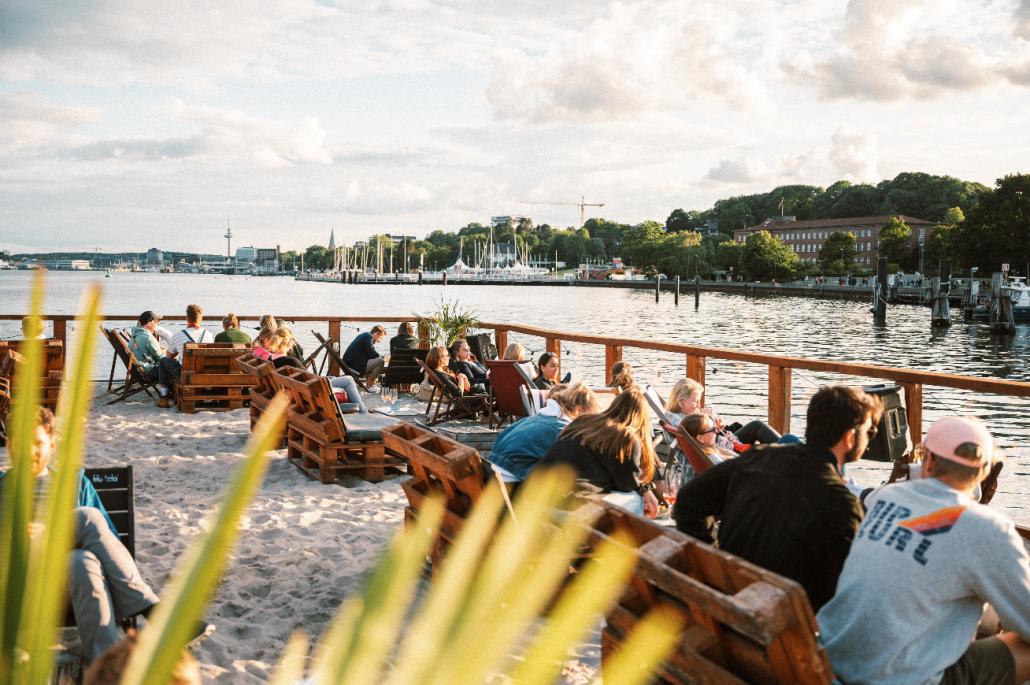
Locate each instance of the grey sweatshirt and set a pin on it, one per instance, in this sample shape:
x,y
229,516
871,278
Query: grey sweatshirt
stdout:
x,y
915,581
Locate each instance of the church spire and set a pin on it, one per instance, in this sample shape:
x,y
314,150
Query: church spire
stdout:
x,y
332,240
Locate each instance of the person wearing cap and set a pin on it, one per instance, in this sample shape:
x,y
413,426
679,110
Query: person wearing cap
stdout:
x,y
785,507
147,350
926,559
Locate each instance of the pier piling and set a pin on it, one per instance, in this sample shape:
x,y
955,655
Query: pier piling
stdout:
x,y
420,278
697,292
880,308
657,288
1002,320
676,297
445,278
940,316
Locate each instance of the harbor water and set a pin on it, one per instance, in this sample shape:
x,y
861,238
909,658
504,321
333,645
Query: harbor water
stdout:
x,y
802,327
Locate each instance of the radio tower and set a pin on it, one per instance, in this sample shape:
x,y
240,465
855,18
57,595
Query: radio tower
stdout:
x,y
228,241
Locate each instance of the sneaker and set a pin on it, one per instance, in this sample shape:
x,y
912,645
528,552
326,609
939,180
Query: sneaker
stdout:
x,y
163,402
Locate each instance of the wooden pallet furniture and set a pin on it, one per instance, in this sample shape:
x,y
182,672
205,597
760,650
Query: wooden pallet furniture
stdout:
x,y
135,377
450,406
403,368
743,624
209,379
322,441
50,388
438,465
53,353
263,391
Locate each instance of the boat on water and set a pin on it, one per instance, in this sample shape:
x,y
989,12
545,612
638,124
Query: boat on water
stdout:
x,y
1019,292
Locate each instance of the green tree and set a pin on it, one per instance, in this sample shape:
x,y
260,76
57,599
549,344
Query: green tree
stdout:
x,y
641,244
940,242
998,229
317,257
896,243
734,213
680,220
727,256
766,257
838,252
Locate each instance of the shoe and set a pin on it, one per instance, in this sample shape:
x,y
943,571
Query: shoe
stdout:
x,y
163,402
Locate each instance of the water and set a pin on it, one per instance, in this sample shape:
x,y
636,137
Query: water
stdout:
x,y
821,329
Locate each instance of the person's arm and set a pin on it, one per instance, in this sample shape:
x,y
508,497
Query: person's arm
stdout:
x,y
369,348
88,497
1004,580
702,498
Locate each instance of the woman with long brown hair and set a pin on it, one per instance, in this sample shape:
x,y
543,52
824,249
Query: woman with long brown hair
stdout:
x,y
437,359
701,433
612,451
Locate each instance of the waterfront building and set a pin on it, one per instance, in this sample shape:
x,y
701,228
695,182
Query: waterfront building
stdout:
x,y
65,264
257,259
806,238
155,257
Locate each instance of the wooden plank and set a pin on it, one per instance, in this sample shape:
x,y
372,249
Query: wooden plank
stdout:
x,y
334,335
914,409
696,368
501,340
779,398
554,347
612,355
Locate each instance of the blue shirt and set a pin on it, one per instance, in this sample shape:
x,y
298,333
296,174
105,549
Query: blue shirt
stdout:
x,y
86,497
521,445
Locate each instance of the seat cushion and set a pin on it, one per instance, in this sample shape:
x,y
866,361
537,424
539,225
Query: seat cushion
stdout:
x,y
366,427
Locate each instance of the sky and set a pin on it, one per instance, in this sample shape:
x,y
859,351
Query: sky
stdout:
x,y
129,125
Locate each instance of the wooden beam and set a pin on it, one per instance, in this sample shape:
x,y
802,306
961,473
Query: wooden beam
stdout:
x,y
779,398
501,340
334,335
696,368
61,331
914,410
612,354
554,347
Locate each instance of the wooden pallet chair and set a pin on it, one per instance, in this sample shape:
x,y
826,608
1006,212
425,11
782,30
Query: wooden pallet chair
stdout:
x,y
53,353
457,406
332,352
321,440
263,391
743,624
506,379
209,379
136,379
441,466
5,408
50,388
403,368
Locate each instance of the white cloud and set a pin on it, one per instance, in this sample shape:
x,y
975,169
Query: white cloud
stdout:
x,y
29,120
853,155
741,170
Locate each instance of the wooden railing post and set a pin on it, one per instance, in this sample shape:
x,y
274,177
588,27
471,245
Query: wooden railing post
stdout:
x,y
501,340
61,331
914,410
334,336
554,347
696,368
779,398
612,354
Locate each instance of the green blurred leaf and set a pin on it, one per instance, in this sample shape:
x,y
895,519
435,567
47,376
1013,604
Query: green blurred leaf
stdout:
x,y
291,663
653,639
198,571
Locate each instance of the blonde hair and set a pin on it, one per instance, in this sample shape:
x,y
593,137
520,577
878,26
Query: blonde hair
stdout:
x,y
574,399
515,351
618,430
268,321
262,337
274,343
622,376
231,321
684,388
287,335
435,356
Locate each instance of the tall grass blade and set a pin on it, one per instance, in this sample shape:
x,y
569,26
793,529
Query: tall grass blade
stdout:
x,y
650,643
291,664
46,597
18,499
196,575
386,599
593,591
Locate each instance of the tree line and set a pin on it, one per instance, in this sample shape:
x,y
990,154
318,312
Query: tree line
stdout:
x,y
976,226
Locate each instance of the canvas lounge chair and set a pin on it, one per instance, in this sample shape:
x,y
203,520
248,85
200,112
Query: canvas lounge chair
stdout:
x,y
457,406
698,460
322,441
135,378
332,352
506,378
403,368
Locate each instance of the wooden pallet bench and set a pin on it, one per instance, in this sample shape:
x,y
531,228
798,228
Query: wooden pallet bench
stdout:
x,y
210,381
53,373
439,465
743,624
322,441
262,393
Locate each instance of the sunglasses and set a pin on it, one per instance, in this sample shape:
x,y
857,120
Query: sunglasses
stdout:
x,y
713,429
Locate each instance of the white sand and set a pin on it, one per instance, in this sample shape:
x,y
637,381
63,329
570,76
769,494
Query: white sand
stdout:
x,y
304,546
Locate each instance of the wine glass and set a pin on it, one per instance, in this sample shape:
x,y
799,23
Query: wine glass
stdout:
x,y
388,396
673,481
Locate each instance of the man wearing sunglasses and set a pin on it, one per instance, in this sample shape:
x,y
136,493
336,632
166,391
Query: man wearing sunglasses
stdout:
x,y
926,559
785,507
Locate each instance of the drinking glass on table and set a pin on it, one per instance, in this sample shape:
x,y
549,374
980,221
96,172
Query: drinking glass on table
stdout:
x,y
673,481
389,397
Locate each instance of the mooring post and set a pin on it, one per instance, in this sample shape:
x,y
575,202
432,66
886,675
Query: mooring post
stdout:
x,y
657,287
1002,320
973,294
940,315
697,291
880,310
445,278
420,278
676,297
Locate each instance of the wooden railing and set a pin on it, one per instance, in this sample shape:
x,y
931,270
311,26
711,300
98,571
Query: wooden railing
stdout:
x,y
780,368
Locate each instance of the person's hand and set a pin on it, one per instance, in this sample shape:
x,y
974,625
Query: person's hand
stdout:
x,y
650,504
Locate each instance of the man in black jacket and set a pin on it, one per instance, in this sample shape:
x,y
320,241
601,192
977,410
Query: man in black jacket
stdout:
x,y
785,507
361,354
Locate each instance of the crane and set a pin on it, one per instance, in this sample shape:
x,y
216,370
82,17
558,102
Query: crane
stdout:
x,y
581,204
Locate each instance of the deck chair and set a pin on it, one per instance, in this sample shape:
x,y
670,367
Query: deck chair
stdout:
x,y
403,369
333,352
458,406
311,361
481,346
135,378
533,399
506,379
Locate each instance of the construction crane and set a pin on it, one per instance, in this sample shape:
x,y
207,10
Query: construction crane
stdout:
x,y
582,204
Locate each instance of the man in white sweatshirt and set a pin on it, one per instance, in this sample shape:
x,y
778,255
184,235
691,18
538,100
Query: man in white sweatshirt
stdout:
x,y
924,562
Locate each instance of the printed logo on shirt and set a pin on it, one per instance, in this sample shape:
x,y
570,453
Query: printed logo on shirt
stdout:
x,y
888,517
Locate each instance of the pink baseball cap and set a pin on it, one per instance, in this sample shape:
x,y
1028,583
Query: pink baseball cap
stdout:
x,y
946,435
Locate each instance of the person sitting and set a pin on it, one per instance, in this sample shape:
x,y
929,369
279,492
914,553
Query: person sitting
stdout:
x,y
524,443
277,346
701,431
547,376
231,332
405,338
260,345
925,561
171,363
612,452
622,376
517,353
32,328
688,397
463,361
147,350
104,583
437,359
786,507
361,354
